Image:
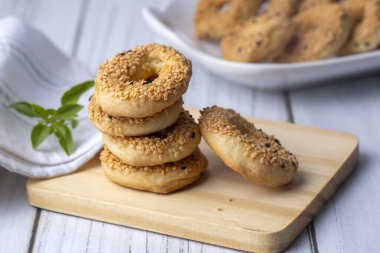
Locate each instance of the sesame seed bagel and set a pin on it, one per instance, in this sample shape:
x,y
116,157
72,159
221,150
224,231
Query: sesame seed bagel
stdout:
x,y
305,5
143,81
215,18
169,145
258,39
252,153
163,178
366,33
319,33
122,126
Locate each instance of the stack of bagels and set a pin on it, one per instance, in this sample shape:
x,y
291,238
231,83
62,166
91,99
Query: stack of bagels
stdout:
x,y
151,142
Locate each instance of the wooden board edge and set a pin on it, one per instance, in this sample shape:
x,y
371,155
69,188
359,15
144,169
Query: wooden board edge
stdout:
x,y
275,240
296,226
289,125
252,240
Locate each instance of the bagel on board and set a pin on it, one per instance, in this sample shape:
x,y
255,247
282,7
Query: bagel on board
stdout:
x,y
169,145
122,126
162,178
215,18
250,152
143,81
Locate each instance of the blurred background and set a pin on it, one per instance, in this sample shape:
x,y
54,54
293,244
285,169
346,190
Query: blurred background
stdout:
x,y
94,30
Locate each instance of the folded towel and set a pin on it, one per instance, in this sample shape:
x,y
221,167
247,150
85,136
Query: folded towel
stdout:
x,y
33,69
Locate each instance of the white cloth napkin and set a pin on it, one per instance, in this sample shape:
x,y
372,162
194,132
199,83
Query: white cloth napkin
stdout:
x,y
34,70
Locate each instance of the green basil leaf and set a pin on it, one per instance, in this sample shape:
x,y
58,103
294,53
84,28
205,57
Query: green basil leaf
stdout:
x,y
72,95
40,111
74,123
51,111
59,130
24,108
66,141
39,134
69,112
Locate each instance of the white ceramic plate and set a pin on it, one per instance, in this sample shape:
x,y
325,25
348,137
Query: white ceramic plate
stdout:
x,y
175,24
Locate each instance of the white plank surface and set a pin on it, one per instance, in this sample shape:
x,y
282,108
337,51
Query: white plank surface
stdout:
x,y
93,31
350,222
17,218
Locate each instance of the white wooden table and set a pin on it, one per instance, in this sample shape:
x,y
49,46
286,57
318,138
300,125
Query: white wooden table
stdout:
x,y
93,30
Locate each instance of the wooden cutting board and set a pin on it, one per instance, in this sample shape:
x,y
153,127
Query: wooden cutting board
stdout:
x,y
221,208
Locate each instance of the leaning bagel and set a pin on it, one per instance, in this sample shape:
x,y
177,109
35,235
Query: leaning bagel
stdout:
x,y
215,18
163,178
168,145
258,39
252,153
121,126
319,33
143,81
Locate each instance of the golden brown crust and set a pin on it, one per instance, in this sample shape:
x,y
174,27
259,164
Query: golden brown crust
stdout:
x,y
215,18
163,178
366,34
281,8
122,126
169,145
249,151
319,33
258,39
305,5
143,81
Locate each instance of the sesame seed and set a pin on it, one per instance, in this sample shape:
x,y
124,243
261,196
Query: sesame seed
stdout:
x,y
171,139
195,163
128,73
259,145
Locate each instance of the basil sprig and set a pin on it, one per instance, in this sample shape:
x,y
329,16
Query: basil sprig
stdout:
x,y
55,121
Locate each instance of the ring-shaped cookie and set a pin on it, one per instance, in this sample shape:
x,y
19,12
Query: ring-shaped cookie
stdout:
x,y
259,39
143,81
319,33
169,145
252,153
366,33
305,5
281,8
215,18
121,126
163,178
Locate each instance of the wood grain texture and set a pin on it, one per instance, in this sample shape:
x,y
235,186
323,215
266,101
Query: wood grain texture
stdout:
x,y
350,222
81,29
18,220
119,26
258,218
17,217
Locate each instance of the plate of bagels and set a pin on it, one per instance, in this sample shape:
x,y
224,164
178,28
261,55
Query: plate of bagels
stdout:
x,y
274,44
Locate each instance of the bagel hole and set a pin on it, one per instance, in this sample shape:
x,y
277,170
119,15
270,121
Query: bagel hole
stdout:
x,y
263,8
223,7
150,79
147,72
